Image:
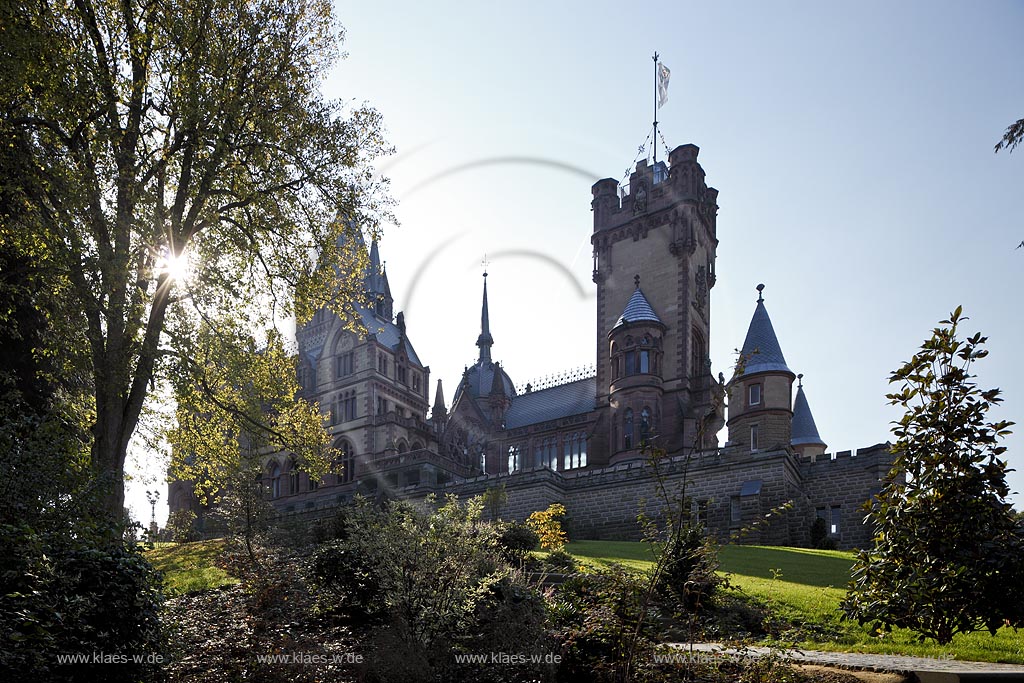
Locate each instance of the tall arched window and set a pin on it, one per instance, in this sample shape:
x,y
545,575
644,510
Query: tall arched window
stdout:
x,y
402,446
344,464
698,355
645,425
627,429
275,481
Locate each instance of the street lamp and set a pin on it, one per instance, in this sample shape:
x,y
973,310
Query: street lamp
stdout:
x,y
152,497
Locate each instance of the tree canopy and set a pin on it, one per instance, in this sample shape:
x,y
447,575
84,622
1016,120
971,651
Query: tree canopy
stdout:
x,y
150,135
947,555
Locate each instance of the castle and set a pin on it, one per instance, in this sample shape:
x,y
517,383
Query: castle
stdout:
x,y
582,442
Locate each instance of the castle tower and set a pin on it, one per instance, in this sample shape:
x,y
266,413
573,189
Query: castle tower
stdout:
x,y
805,439
761,390
636,390
665,230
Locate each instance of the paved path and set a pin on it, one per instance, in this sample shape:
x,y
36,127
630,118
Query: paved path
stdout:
x,y
927,669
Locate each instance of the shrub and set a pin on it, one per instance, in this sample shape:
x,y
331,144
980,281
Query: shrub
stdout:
x,y
181,525
559,560
689,564
819,535
72,596
548,525
517,540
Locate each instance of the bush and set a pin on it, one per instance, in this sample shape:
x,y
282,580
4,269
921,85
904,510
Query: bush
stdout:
x,y
432,582
181,525
561,561
548,525
66,596
819,535
690,562
516,540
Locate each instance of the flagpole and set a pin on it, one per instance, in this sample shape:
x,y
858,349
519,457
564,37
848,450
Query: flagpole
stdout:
x,y
654,142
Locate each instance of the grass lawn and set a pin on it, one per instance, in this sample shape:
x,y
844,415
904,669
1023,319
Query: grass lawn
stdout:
x,y
806,586
189,567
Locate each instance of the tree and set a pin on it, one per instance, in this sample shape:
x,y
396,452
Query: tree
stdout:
x,y
163,133
947,552
1011,138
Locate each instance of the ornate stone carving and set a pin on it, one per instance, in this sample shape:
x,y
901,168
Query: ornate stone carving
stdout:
x,y
640,200
700,291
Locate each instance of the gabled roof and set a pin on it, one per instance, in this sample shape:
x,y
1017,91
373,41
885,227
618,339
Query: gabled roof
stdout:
x,y
638,309
761,351
804,429
564,400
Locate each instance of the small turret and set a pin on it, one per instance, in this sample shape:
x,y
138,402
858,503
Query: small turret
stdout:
x,y
439,413
761,390
806,440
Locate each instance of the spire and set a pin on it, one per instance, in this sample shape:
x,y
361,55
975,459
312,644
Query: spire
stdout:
x,y
805,432
438,412
761,351
485,340
377,286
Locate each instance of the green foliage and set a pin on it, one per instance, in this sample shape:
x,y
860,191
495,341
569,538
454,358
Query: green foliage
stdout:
x,y
182,526
73,596
819,535
517,540
548,525
690,563
948,556
495,498
432,582
561,561
142,134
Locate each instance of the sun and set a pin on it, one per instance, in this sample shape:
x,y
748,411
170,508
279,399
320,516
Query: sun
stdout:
x,y
177,267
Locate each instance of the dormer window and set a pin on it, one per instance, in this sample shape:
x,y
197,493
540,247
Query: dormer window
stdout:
x,y
754,395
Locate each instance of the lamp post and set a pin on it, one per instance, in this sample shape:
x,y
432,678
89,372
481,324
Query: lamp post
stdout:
x,y
152,497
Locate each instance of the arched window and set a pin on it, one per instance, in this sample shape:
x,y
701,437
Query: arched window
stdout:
x,y
645,425
344,464
615,360
275,481
552,450
402,446
575,451
416,445
627,429
698,355
513,459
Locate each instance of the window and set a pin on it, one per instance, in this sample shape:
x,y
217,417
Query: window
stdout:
x,y
645,425
735,509
382,405
346,407
483,462
698,355
275,481
575,451
402,446
345,365
382,364
513,459
415,381
645,361
627,429
833,527
754,395
416,445
344,464
699,511
402,373
753,438
630,363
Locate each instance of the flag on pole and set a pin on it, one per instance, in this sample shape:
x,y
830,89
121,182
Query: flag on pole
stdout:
x,y
663,76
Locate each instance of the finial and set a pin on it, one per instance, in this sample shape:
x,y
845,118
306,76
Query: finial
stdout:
x,y
484,264
800,380
760,298
636,280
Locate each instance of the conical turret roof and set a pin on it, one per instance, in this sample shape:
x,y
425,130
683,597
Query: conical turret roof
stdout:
x,y
761,351
804,429
638,309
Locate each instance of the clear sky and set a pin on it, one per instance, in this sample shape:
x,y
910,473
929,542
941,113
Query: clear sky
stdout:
x,y
851,145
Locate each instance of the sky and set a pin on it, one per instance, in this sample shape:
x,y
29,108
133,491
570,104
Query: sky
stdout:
x,y
852,146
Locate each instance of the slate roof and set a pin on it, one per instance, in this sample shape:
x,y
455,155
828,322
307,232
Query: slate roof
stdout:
x,y
638,309
553,403
804,429
387,333
480,377
761,351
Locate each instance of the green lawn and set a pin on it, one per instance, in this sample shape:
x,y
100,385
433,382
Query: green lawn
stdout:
x,y
806,587
189,567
